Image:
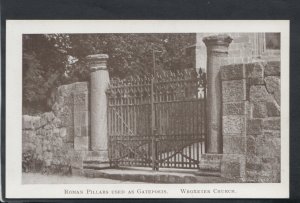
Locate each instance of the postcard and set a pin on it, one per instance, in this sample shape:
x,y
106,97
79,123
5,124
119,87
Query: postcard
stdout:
x,y
147,109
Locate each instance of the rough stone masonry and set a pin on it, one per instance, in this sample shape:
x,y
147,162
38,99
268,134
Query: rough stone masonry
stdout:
x,y
53,141
251,121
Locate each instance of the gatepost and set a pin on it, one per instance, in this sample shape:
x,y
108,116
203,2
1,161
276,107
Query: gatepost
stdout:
x,y
217,55
99,81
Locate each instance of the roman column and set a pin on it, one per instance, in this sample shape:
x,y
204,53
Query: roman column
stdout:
x,y
217,53
99,81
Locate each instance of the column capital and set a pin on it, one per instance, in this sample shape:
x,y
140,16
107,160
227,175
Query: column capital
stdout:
x,y
217,43
97,62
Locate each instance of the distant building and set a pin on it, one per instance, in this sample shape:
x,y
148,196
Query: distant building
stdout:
x,y
245,48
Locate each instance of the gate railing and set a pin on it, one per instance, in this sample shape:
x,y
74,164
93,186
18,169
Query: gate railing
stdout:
x,y
157,121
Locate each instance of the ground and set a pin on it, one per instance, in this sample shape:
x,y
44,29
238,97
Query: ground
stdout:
x,y
124,175
38,178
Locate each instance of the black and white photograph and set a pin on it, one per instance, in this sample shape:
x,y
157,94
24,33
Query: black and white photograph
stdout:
x,y
173,109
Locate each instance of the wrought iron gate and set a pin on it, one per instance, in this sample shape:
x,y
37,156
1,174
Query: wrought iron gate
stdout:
x,y
157,122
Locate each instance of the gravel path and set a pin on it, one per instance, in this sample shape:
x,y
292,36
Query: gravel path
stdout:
x,y
37,178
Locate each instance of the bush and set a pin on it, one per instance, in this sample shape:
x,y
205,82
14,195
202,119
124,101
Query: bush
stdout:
x,y
30,163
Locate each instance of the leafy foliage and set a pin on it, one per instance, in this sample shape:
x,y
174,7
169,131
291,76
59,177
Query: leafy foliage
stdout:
x,y
54,59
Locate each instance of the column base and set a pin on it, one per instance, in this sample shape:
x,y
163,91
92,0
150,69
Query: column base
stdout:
x,y
96,160
210,165
97,155
230,166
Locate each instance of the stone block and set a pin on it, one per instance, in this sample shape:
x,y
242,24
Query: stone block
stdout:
x,y
77,160
268,170
81,143
55,108
232,72
66,90
233,125
77,119
210,162
251,145
254,126
268,147
77,172
234,108
48,126
272,68
259,93
70,134
254,70
212,157
36,122
256,81
81,87
80,98
233,166
62,132
164,178
149,178
48,116
56,122
250,158
269,176
66,116
271,123
43,121
97,155
84,118
84,131
272,134
26,122
77,131
190,179
275,161
68,100
252,176
172,179
234,90
56,132
249,110
31,122
273,109
91,154
259,110
273,87
80,107
234,145
253,166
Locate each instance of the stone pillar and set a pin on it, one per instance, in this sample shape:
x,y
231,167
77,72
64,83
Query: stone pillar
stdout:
x,y
217,52
98,84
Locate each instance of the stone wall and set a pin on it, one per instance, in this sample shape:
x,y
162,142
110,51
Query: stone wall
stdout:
x,y
44,145
53,141
251,121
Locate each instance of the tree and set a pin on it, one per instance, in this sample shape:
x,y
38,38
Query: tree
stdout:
x,y
132,53
43,67
55,59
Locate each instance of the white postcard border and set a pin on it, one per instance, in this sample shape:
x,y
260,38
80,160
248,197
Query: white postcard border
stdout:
x,y
14,31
